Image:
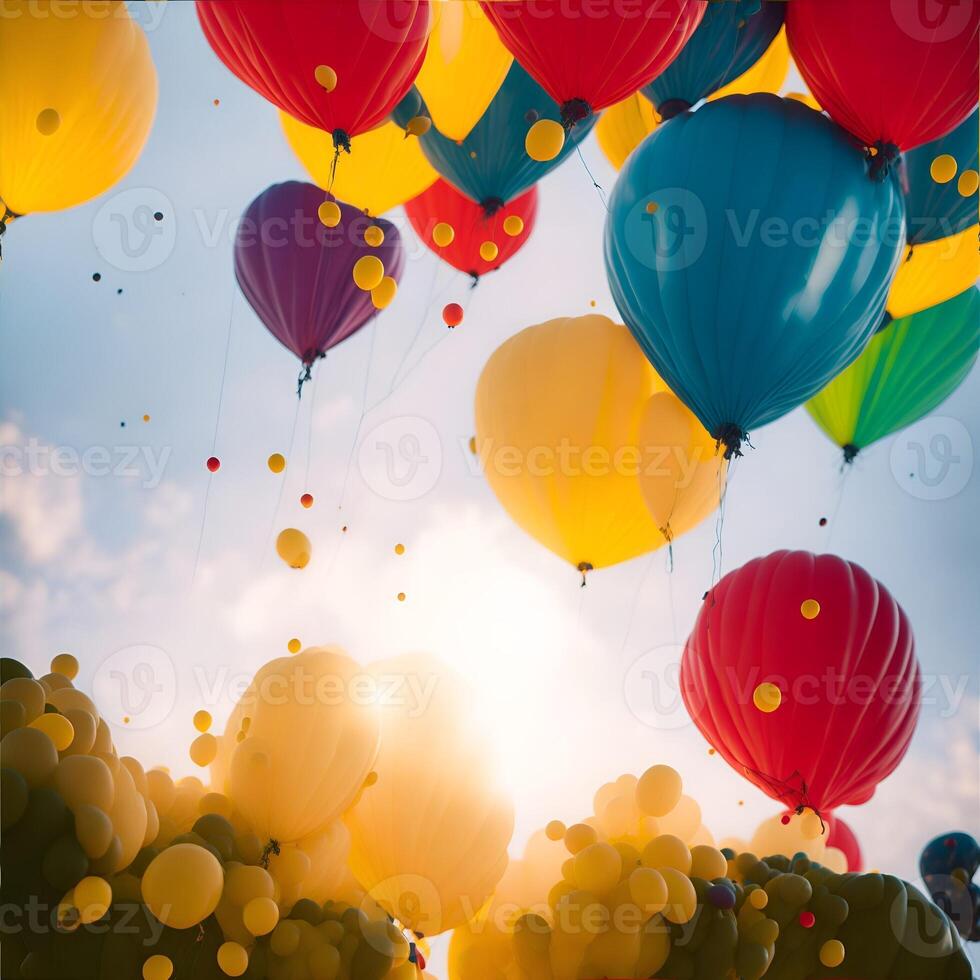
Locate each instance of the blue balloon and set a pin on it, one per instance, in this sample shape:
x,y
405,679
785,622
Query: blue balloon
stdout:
x,y
730,39
940,210
750,253
951,852
491,165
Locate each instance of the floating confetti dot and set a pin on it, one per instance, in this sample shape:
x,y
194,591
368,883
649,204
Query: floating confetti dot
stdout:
x,y
401,596
374,235
443,234
368,272
119,292
555,830
96,277
213,464
712,751
810,608
767,697
823,521
202,720
325,77
532,115
513,225
126,719
399,549
472,154
785,819
146,418
418,125
452,315
158,216
48,122
489,251
217,101
592,303
807,920
967,184
122,425
329,214
293,646
473,445
652,207
306,500
344,529
943,168
276,462
832,953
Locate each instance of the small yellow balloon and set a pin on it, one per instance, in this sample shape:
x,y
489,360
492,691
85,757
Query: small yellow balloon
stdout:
x,y
513,225
92,898
369,270
767,697
811,826
555,830
667,851
66,665
233,959
202,720
158,967
384,293
759,898
182,885
57,727
277,462
809,608
374,235
682,899
967,184
648,889
544,140
832,953
943,168
659,790
579,836
294,645
285,939
418,126
261,916
294,548
443,234
324,962
488,251
325,77
203,750
329,214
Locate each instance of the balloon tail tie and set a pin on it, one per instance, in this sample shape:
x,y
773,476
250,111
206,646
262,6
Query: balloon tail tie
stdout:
x,y
850,453
341,141
271,848
573,112
731,436
584,567
6,216
883,158
306,372
475,276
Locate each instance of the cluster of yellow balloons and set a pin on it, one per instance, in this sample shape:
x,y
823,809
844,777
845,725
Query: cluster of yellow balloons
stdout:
x,y
587,448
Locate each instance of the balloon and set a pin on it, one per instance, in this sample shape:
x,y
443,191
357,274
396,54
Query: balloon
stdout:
x,y
66,665
586,56
440,858
365,56
233,959
943,204
30,752
855,58
910,367
91,76
743,324
623,126
850,691
471,226
464,66
28,692
284,790
294,548
57,727
558,409
932,273
389,170
297,274
730,39
182,885
491,166
767,75
842,837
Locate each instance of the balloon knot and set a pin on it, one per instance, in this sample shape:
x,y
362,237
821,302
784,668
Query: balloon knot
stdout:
x,y
584,567
491,206
271,848
672,107
475,276
850,452
731,436
884,156
307,371
341,141
574,111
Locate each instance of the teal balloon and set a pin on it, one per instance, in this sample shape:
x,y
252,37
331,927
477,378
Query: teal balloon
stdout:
x,y
10,668
939,210
732,36
750,253
909,368
491,165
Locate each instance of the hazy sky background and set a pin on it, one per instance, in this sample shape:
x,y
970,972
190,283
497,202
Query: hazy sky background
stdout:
x,y
102,564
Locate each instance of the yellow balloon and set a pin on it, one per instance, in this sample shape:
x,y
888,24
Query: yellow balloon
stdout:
x,y
544,140
233,959
374,235
682,899
934,272
203,750
284,788
513,225
66,665
443,234
383,171
129,818
261,916
327,853
558,409
92,898
772,836
682,472
418,125
57,727
943,168
182,885
442,856
369,270
659,790
329,214
488,251
832,953
384,293
32,753
767,74
83,725
158,967
294,547
326,77
465,64
623,126
767,698
84,779
28,692
277,462
77,98
243,882
667,851
93,828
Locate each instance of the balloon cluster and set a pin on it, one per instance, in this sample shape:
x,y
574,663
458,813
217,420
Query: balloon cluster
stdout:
x,y
638,889
948,864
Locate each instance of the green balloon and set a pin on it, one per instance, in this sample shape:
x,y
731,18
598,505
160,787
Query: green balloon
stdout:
x,y
307,910
14,793
64,863
218,832
10,668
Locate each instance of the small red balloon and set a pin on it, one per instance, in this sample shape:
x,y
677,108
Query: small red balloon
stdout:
x,y
213,464
452,313
807,920
784,819
306,500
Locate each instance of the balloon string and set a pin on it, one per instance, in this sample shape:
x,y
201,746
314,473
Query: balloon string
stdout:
x,y
214,438
785,787
266,548
634,604
845,473
309,436
717,554
595,183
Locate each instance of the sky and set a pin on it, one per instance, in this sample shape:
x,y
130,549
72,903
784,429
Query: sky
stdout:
x,y
118,546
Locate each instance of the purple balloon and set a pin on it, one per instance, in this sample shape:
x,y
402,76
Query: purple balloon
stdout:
x,y
297,274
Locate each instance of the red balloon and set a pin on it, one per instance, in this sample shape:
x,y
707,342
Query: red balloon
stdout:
x,y
895,74
452,314
588,55
213,464
472,226
275,46
841,652
842,837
